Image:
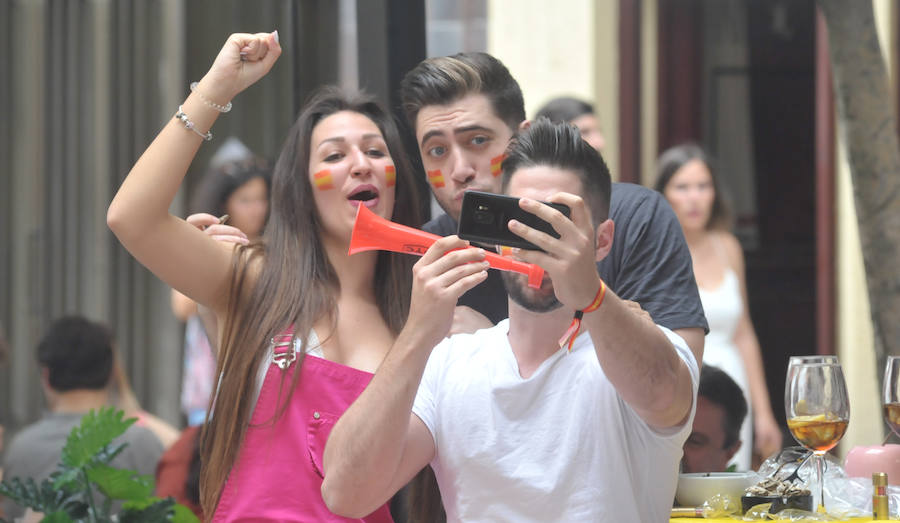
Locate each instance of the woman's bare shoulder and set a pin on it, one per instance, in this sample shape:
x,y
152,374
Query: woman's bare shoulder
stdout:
x,y
732,248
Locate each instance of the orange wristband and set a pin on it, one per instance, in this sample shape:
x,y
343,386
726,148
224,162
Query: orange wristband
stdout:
x,y
568,339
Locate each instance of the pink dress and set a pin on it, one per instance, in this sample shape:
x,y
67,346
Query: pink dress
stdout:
x,y
278,472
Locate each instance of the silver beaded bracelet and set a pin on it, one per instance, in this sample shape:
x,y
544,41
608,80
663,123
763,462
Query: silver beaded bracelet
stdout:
x,y
209,103
188,124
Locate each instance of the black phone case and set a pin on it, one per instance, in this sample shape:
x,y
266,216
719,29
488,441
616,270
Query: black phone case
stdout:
x,y
484,218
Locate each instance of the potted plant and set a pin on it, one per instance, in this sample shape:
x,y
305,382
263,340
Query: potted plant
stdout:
x,y
85,486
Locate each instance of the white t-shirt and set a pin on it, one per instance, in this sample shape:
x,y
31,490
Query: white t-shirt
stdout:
x,y
561,445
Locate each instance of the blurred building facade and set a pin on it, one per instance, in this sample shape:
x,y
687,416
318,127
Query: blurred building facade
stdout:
x,y
89,84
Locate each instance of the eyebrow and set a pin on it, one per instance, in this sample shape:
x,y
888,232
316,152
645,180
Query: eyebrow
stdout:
x,y
341,139
459,130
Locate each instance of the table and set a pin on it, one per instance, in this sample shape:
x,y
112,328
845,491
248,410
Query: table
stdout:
x,y
729,520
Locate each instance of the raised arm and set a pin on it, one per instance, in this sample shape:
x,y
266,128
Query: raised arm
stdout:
x,y
378,445
172,249
636,356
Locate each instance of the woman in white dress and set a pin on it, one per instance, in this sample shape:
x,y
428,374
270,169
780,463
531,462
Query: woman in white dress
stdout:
x,y
686,180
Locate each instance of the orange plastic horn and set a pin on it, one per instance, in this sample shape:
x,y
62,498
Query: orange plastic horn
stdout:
x,y
373,233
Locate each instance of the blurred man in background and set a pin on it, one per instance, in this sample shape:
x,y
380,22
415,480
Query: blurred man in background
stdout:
x,y
715,436
76,361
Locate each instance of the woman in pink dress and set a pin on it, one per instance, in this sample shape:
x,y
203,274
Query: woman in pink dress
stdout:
x,y
303,325
685,178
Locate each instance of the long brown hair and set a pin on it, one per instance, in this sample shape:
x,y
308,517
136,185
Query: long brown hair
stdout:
x,y
292,282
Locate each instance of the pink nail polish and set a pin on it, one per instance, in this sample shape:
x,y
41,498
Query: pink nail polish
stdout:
x,y
275,33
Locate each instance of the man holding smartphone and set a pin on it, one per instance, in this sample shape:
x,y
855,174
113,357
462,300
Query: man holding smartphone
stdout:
x,y
464,109
519,424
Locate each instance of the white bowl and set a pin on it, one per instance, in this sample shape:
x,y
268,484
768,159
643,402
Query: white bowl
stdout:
x,y
696,487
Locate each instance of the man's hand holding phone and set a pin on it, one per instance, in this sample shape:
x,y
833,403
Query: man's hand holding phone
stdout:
x,y
571,258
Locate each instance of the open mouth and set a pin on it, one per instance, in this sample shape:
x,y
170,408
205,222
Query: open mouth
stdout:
x,y
364,195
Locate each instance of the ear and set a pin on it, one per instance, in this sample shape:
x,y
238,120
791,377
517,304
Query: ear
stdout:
x,y
524,125
50,395
603,238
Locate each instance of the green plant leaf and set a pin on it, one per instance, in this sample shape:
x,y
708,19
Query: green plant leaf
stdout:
x,y
141,504
25,493
57,517
97,430
42,497
66,495
67,478
151,510
120,484
107,453
184,515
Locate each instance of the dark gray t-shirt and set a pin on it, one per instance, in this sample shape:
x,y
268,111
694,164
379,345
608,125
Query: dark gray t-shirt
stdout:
x,y
649,262
35,452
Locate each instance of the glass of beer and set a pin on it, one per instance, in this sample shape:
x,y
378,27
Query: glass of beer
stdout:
x,y
891,395
818,411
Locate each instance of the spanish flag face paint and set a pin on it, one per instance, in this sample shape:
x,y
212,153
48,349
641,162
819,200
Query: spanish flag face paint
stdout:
x,y
322,180
497,165
435,178
390,176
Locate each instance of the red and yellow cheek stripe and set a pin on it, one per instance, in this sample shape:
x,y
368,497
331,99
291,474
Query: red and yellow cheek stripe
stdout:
x,y
322,180
435,178
497,165
390,175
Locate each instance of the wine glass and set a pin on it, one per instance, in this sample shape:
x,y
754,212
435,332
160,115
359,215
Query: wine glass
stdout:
x,y
891,396
798,360
818,411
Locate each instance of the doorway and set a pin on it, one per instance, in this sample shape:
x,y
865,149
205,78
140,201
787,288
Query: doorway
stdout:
x,y
738,76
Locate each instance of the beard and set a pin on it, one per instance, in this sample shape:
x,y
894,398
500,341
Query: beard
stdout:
x,y
534,300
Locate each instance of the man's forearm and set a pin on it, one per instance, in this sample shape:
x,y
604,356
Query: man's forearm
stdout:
x,y
639,360
365,448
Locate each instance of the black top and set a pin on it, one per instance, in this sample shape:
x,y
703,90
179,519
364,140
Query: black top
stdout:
x,y
649,262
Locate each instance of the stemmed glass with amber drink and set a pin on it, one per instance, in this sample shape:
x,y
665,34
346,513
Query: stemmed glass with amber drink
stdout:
x,y
818,411
794,361
892,393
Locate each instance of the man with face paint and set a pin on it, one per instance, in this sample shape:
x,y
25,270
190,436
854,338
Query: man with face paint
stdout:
x,y
464,109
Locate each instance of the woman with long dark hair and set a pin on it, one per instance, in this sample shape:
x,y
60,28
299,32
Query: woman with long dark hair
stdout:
x,y
302,324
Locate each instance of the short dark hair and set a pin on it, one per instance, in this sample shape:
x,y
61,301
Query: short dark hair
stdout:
x,y
77,353
564,109
560,145
673,159
445,79
718,387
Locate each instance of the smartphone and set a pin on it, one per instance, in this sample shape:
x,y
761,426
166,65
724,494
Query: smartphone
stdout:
x,y
484,218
